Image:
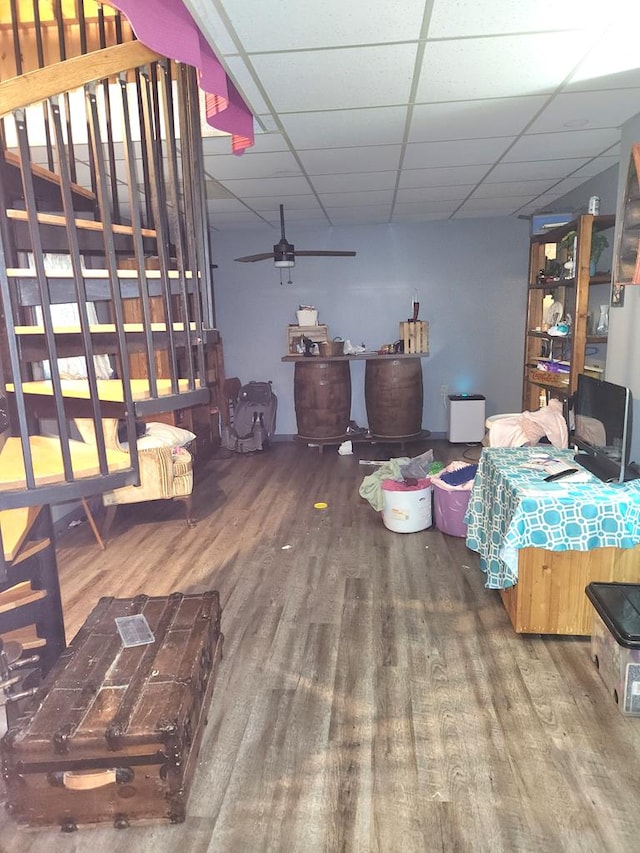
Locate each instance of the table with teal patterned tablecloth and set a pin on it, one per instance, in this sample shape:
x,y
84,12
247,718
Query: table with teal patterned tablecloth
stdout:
x,y
511,507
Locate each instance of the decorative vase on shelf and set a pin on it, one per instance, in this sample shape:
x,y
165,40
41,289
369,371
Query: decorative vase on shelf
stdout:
x,y
603,320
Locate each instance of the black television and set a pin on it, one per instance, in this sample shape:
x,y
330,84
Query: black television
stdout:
x,y
602,428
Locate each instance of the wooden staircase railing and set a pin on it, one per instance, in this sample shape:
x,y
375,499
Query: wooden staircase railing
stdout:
x,y
147,194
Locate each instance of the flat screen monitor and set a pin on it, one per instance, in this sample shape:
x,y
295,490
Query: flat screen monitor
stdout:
x,y
602,413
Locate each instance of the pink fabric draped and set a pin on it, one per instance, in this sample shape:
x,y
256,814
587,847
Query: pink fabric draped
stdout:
x,y
167,27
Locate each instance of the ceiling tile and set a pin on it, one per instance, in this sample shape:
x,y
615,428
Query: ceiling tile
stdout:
x,y
267,187
334,161
333,79
267,208
344,128
276,27
473,119
215,190
442,177
567,186
251,165
420,215
549,146
355,182
226,205
349,199
442,207
541,204
595,166
368,215
586,110
499,67
512,188
236,219
466,152
460,18
496,206
614,65
305,215
536,170
420,194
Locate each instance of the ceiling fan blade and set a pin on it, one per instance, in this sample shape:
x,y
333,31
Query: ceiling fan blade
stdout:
x,y
318,253
249,259
284,253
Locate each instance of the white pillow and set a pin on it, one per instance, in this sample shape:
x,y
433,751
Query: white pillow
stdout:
x,y
165,435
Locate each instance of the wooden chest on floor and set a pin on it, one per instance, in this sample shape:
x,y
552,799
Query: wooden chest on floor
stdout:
x,y
114,732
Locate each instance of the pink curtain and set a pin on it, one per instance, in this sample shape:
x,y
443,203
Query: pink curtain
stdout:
x,y
167,27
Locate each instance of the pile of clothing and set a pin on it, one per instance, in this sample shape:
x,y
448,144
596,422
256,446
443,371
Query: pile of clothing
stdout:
x,y
529,427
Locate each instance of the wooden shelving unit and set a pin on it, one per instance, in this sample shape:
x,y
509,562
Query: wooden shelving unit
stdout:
x,y
580,291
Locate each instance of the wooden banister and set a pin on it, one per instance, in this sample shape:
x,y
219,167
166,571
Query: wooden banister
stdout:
x,y
36,86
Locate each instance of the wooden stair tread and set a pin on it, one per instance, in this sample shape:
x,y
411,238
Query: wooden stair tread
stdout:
x,y
15,525
109,390
40,172
99,274
82,224
30,548
20,595
27,636
103,328
47,462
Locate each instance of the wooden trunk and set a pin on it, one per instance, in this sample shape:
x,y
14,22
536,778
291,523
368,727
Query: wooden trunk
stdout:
x,y
113,734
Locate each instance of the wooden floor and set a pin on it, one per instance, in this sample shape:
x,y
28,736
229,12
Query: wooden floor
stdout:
x,y
372,696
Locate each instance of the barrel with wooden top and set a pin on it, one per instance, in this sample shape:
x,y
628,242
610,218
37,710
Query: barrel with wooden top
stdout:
x,y
393,395
322,396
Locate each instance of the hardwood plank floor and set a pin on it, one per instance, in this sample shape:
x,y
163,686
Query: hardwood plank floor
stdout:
x,y
372,696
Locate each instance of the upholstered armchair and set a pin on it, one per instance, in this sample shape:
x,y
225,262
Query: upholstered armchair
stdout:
x,y
166,473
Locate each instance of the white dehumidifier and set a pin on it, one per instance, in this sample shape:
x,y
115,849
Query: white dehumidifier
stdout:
x,y
466,418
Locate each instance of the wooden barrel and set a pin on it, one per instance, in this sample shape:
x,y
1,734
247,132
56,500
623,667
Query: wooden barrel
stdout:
x,y
322,396
393,394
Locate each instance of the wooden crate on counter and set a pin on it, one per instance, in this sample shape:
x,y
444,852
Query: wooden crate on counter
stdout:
x,y
414,334
317,334
549,377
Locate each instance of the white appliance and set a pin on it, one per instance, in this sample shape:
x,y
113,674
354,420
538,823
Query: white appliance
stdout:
x,y
466,418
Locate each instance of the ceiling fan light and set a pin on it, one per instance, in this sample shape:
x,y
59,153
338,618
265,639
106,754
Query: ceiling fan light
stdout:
x,y
284,254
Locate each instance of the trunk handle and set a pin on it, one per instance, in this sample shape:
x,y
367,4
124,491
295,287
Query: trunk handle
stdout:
x,y
85,780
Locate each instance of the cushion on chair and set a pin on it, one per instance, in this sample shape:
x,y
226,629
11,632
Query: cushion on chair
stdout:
x,y
165,472
168,435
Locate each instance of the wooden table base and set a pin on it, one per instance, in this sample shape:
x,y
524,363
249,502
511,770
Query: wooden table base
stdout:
x,y
549,597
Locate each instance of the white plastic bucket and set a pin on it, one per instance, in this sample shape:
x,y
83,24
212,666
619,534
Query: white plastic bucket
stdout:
x,y
406,510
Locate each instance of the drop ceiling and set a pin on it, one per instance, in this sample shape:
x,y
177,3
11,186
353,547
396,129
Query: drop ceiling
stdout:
x,y
390,111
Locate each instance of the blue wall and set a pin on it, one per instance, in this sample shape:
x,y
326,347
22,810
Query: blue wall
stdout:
x,y
471,280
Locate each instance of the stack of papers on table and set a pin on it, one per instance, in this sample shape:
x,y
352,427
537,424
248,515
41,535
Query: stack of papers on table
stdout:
x,y
550,466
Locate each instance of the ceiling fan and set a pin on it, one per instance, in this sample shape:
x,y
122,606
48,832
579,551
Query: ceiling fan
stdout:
x,y
284,253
